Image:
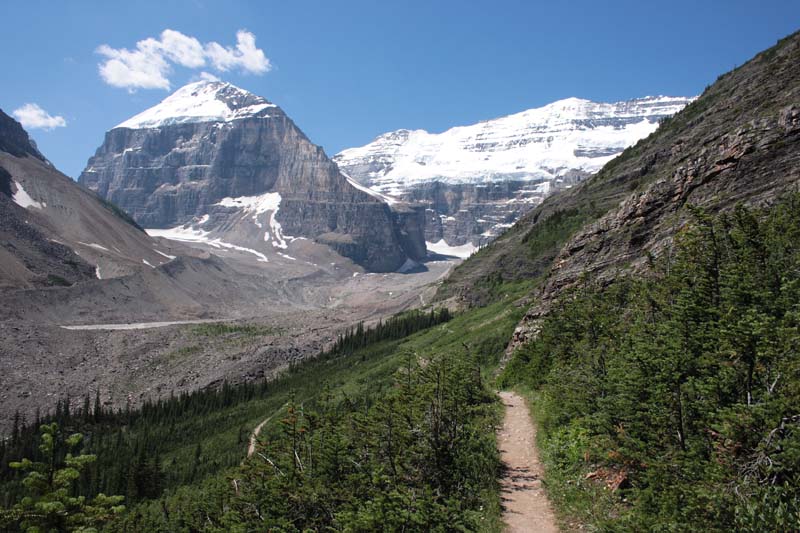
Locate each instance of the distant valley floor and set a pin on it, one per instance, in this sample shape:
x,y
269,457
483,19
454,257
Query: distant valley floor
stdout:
x,y
75,341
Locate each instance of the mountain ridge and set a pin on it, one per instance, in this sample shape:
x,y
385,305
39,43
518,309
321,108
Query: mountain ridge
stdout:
x,y
738,142
477,180
54,231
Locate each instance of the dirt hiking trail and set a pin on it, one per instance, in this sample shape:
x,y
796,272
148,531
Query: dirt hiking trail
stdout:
x,y
251,448
526,508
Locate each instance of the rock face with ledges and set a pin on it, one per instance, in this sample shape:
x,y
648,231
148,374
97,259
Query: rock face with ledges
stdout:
x,y
170,165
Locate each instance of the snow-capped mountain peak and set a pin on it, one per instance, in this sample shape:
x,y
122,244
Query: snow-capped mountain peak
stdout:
x,y
539,144
217,165
478,179
203,101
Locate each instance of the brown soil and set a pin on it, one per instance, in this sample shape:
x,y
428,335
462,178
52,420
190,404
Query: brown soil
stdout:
x,y
251,448
526,508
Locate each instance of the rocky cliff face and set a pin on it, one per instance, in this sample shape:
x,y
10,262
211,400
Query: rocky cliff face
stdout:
x,y
14,140
220,162
477,180
477,213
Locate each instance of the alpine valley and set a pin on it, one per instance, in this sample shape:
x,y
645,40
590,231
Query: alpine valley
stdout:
x,y
247,221
581,317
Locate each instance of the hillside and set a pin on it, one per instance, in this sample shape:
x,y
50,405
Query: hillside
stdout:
x,y
738,142
659,346
55,232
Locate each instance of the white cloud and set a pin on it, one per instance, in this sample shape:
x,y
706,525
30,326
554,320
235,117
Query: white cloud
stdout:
x,y
149,64
142,68
31,116
207,76
182,49
245,56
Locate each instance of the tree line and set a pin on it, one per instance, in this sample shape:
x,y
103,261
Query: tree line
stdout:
x,y
396,327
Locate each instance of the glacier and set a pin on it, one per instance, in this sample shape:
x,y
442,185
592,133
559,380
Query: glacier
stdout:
x,y
476,180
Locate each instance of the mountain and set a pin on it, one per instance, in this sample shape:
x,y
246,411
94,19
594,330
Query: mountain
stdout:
x,y
657,326
54,232
477,180
215,163
739,142
90,302
67,255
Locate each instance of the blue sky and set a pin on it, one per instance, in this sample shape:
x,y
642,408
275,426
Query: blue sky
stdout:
x,y
348,71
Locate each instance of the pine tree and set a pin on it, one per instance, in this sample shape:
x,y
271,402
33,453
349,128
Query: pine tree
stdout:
x,y
98,408
49,504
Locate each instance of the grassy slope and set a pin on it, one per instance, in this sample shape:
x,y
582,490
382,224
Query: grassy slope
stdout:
x,y
365,372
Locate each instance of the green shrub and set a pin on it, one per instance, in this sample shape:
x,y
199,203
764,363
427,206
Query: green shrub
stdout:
x,y
687,380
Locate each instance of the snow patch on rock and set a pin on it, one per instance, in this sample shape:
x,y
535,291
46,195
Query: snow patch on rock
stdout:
x,y
388,199
441,247
170,257
95,246
23,199
188,234
258,205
